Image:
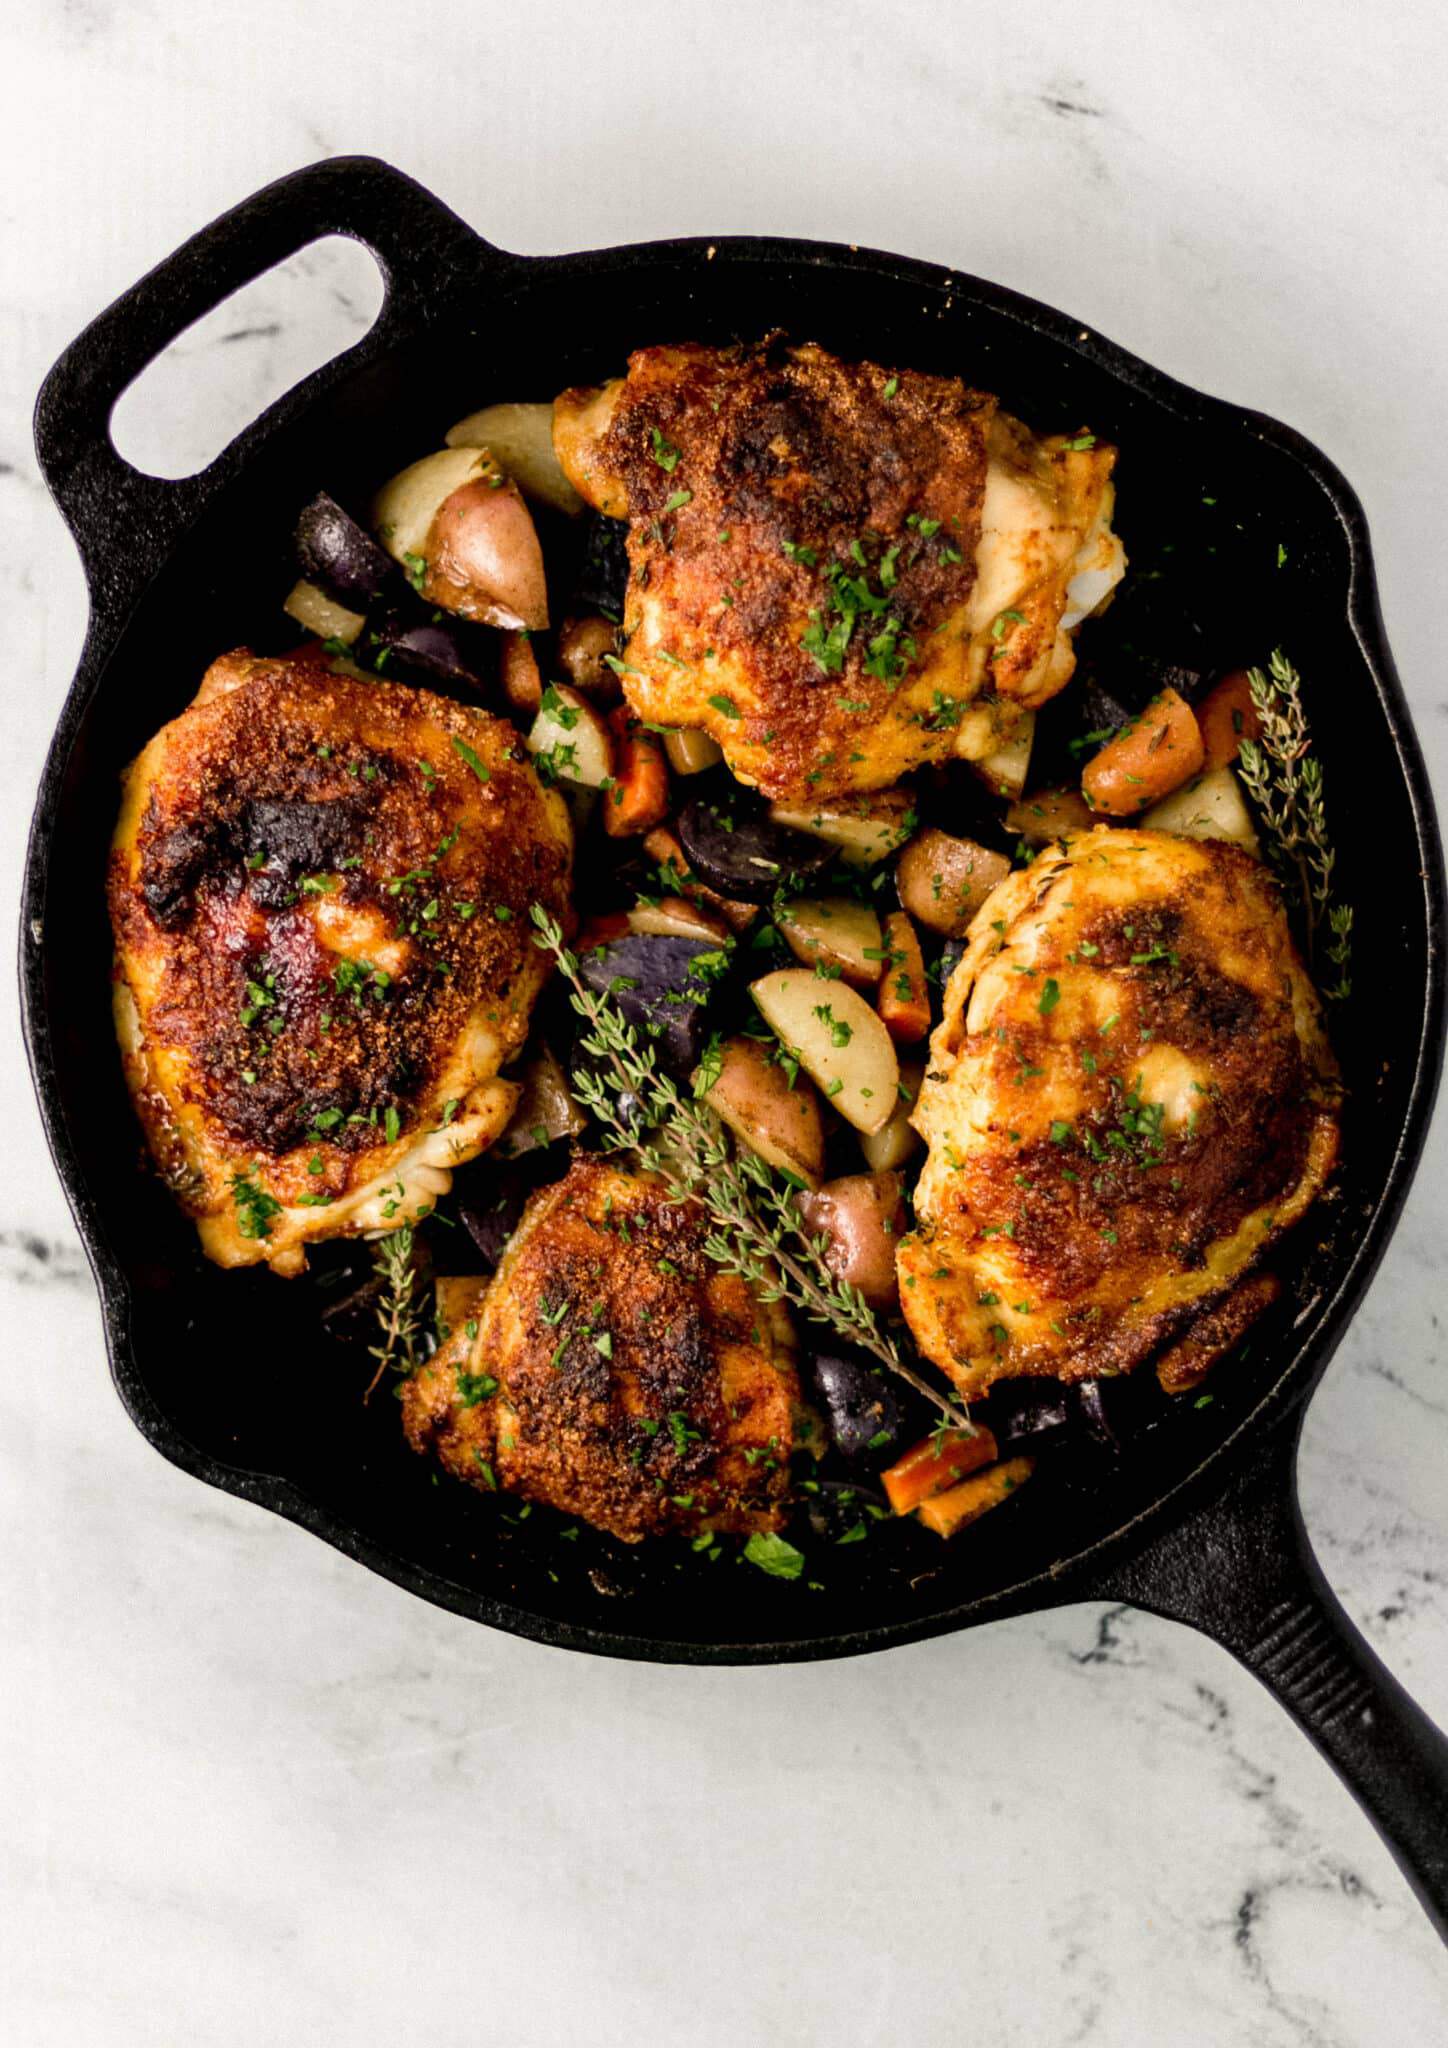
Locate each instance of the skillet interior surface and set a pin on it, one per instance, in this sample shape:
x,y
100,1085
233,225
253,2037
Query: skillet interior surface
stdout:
x,y
1240,537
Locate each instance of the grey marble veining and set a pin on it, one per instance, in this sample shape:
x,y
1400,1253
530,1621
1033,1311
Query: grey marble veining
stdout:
x,y
252,1793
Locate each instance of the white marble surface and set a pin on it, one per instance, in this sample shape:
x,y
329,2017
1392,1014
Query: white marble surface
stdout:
x,y
250,1792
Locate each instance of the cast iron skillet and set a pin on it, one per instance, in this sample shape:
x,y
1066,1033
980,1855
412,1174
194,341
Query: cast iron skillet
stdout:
x,y
1230,519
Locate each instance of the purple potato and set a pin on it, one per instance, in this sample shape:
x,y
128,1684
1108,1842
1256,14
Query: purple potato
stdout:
x,y
443,649
734,846
862,1412
491,1213
664,985
341,556
1028,1413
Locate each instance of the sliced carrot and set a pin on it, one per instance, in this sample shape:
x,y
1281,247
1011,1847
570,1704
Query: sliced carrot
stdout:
x,y
935,1463
662,845
1227,716
639,796
948,1512
518,673
903,1003
1146,760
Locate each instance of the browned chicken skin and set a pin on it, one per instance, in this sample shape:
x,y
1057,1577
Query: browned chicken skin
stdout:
x,y
838,571
1128,1101
616,1373
320,892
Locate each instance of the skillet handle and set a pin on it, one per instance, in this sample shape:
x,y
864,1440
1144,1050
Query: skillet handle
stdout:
x,y
421,248
1241,1569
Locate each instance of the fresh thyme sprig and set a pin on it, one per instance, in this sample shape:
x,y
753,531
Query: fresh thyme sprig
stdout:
x,y
399,1314
1284,780
756,1229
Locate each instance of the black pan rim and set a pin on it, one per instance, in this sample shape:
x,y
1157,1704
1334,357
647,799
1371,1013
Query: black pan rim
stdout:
x,y
1069,1577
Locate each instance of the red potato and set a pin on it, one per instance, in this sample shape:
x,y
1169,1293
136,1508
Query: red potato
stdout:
x,y
1227,716
833,932
570,741
674,917
1048,814
947,1512
935,1463
466,538
863,1216
1146,760
751,1093
521,437
943,881
518,673
903,999
583,644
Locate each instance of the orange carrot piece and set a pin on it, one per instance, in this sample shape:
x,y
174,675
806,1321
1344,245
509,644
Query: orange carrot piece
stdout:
x,y
934,1464
1146,760
1227,716
518,674
639,797
948,1512
903,1002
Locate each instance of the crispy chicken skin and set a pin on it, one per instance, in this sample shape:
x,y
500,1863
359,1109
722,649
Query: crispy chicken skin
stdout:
x,y
1127,1102
319,889
779,499
637,1386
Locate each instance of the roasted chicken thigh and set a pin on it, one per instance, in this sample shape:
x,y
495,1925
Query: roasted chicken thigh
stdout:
x,y
320,890
615,1372
837,570
1128,1100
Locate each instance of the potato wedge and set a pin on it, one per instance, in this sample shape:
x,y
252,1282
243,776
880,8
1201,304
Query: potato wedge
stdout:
x,y
1048,814
838,1040
467,540
865,828
691,752
675,917
863,1217
569,741
322,615
896,1141
1211,806
751,1094
943,880
834,931
1005,768
544,1112
521,438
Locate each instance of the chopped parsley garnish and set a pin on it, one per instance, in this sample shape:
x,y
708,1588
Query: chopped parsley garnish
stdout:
x,y
473,759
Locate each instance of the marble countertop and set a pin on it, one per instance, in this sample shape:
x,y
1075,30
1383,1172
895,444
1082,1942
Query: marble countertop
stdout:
x,y
252,1792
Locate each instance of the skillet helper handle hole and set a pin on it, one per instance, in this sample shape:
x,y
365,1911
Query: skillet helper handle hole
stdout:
x,y
1241,1569
422,250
